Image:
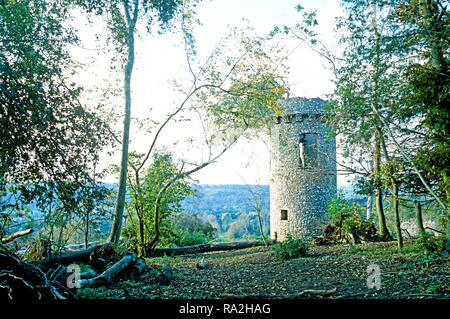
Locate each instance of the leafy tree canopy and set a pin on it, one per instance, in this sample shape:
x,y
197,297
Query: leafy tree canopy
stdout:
x,y
48,138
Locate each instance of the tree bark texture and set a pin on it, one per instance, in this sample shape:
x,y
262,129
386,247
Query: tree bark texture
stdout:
x,y
109,274
195,249
18,234
82,256
397,215
379,192
419,220
120,203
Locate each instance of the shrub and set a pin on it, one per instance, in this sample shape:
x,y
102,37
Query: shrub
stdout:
x,y
339,209
346,215
185,237
429,243
291,248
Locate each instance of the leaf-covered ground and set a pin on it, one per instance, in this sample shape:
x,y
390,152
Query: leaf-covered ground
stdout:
x,y
255,272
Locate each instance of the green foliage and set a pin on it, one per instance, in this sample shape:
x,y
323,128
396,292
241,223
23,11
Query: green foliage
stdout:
x,y
345,213
49,140
144,193
189,229
427,81
429,243
156,14
291,248
184,237
339,208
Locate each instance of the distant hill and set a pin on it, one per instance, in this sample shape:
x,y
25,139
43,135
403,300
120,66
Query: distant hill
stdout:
x,y
234,198
227,198
230,208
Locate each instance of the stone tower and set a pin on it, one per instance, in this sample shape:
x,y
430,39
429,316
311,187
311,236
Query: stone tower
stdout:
x,y
303,169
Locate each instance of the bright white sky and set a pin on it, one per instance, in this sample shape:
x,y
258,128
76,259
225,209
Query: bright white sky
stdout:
x,y
160,59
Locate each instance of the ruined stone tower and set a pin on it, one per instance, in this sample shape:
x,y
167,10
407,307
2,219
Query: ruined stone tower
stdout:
x,y
303,169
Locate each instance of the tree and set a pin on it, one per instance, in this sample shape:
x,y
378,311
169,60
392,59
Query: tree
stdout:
x,y
256,199
365,82
144,194
427,76
122,17
231,96
49,140
398,107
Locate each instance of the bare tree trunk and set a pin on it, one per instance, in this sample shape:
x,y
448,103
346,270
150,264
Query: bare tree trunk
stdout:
x,y
378,136
202,248
419,220
369,207
397,215
120,203
108,275
379,192
82,256
155,240
258,213
86,231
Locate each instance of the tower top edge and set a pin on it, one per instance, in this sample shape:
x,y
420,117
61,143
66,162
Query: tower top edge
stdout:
x,y
304,105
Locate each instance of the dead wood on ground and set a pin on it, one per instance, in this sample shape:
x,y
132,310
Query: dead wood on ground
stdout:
x,y
195,249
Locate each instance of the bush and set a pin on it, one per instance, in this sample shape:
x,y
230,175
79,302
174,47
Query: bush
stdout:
x,y
189,229
291,248
339,209
185,237
346,215
429,243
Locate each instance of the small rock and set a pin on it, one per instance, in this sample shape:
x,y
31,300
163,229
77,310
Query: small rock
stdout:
x,y
162,279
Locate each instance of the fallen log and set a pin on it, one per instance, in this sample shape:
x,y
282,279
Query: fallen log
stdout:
x,y
109,274
16,235
202,248
24,281
322,293
81,256
72,247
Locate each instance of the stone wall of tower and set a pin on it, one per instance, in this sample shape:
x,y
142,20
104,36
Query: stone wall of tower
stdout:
x,y
303,170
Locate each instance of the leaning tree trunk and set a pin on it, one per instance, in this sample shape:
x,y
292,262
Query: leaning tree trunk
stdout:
x,y
15,235
81,256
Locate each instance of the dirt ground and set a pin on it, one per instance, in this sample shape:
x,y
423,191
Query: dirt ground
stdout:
x,y
255,272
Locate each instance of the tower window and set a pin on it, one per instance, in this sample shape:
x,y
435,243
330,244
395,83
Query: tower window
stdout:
x,y
284,214
301,150
307,150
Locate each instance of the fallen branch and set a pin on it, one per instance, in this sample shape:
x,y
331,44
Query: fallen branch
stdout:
x,y
18,234
108,275
82,256
322,293
437,231
22,280
207,248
